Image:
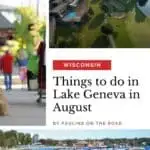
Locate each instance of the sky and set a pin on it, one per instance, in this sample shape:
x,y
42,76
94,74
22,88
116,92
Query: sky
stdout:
x,y
85,134
42,4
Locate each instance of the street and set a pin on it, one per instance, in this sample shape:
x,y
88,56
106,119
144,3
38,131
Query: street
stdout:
x,y
23,109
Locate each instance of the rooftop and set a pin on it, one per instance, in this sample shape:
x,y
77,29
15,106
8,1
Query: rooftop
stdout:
x,y
4,23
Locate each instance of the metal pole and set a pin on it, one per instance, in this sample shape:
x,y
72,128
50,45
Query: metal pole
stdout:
x,y
37,6
29,3
21,2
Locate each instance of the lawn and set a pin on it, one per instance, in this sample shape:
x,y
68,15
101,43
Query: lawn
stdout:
x,y
132,31
121,37
138,29
90,32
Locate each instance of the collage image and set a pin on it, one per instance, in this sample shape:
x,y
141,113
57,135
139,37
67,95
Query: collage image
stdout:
x,y
23,46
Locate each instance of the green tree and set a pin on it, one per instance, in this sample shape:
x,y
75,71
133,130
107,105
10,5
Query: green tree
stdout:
x,y
26,16
27,139
20,138
1,138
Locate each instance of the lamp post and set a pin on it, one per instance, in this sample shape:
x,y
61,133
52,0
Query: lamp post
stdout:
x,y
37,6
29,2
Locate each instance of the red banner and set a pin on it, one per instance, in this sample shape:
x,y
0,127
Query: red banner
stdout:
x,y
81,64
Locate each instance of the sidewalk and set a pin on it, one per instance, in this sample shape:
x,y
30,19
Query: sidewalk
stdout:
x,y
23,109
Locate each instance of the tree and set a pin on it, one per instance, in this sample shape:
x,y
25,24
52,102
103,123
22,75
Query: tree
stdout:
x,y
21,138
27,139
10,138
26,16
107,29
62,43
1,138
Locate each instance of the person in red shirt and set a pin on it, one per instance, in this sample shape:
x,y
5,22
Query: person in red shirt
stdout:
x,y
7,68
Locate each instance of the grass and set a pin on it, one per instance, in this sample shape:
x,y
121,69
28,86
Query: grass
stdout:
x,y
122,38
133,31
89,33
138,29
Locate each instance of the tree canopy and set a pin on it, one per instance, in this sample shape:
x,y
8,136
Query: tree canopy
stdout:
x,y
21,37
13,138
26,16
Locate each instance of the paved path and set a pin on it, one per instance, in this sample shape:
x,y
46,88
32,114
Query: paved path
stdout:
x,y
23,109
112,41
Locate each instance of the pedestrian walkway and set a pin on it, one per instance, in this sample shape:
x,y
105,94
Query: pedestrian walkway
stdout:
x,y
23,109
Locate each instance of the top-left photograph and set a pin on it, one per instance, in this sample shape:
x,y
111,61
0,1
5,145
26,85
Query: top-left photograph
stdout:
x,y
22,62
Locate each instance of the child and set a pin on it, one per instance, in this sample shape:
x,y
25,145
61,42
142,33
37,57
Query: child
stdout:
x,y
22,61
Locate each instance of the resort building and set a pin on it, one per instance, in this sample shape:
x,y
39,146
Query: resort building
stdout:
x,y
35,138
65,11
81,144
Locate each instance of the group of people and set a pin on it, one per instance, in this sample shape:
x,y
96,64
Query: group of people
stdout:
x,y
22,59
6,67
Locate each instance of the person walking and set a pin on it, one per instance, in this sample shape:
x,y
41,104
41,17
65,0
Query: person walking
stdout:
x,y
22,61
7,68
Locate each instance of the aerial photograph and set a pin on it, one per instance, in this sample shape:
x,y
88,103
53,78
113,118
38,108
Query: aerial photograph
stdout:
x,y
99,23
29,139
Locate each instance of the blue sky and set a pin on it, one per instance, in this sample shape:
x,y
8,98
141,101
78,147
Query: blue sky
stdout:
x,y
84,134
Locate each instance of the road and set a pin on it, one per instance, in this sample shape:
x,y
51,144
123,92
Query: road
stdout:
x,y
23,109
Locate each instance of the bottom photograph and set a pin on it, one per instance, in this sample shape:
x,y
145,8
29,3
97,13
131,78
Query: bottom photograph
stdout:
x,y
74,139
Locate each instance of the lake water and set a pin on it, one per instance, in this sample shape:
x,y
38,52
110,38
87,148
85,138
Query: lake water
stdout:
x,y
145,9
50,148
86,148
